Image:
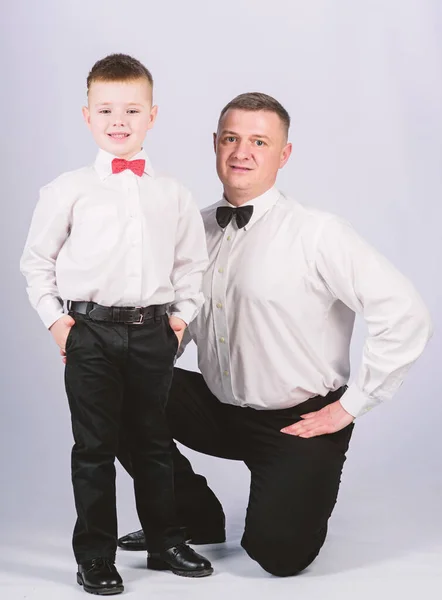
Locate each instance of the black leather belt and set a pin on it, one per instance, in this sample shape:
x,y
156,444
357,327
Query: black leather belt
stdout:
x,y
134,315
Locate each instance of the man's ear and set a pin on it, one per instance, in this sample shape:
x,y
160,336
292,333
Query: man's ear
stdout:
x,y
285,154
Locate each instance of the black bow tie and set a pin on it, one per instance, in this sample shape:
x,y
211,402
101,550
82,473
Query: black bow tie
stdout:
x,y
224,215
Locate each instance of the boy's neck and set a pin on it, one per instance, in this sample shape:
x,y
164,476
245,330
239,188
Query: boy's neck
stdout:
x,y
124,156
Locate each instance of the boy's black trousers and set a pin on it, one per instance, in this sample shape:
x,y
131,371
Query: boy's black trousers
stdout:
x,y
117,381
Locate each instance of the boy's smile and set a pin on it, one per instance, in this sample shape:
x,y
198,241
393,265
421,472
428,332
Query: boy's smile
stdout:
x,y
119,114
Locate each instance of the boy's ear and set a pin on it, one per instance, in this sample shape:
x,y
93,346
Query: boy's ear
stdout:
x,y
214,141
153,116
86,116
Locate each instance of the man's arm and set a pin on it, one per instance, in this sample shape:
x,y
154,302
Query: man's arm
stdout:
x,y
399,325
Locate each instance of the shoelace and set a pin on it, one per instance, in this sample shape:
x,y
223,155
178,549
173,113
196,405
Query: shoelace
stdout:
x,y
179,547
105,563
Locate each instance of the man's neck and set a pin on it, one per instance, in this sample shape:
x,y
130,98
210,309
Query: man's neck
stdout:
x,y
239,197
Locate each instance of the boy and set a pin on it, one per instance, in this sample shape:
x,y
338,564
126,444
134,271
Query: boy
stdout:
x,y
126,250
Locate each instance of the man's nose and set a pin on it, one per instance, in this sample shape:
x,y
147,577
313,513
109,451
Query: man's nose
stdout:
x,y
242,151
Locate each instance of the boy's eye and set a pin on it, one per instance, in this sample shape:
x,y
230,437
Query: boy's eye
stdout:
x,y
133,111
104,111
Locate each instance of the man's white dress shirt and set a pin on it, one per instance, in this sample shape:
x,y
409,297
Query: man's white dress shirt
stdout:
x,y
115,239
281,297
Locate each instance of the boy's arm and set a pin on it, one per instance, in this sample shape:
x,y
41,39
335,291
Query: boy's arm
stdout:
x,y
49,230
191,261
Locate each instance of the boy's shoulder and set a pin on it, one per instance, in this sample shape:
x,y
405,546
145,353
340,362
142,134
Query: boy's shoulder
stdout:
x,y
71,179
169,183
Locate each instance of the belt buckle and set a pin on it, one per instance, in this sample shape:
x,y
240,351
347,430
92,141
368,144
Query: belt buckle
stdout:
x,y
141,317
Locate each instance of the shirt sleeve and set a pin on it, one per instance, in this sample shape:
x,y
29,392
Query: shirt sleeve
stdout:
x,y
399,324
47,234
187,338
190,261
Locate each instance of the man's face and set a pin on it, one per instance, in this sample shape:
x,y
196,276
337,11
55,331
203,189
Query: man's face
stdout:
x,y
119,114
250,146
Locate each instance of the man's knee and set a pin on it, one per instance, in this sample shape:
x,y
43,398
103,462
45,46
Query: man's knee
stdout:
x,y
283,557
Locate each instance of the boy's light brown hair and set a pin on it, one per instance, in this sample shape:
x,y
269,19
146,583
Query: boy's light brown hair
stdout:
x,y
118,67
254,101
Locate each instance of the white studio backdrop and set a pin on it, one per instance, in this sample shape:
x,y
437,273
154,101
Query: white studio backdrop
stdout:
x,y
362,82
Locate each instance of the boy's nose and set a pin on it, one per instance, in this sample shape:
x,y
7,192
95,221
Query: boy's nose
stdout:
x,y
118,118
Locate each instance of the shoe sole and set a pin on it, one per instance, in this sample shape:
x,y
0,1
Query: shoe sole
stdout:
x,y
159,565
201,541
103,592
136,549
195,542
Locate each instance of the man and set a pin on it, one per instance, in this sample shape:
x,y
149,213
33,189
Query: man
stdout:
x,y
273,338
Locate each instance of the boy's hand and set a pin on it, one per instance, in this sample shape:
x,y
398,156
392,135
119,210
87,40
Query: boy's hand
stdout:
x,y
178,325
60,331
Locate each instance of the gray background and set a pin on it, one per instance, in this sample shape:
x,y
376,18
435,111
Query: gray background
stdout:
x,y
362,82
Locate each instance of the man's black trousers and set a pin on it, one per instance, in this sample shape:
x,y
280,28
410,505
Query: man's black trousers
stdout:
x,y
294,481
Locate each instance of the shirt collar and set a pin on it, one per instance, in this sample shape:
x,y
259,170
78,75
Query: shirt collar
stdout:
x,y
261,204
103,163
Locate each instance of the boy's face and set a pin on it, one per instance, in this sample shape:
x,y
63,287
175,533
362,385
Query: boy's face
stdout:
x,y
119,115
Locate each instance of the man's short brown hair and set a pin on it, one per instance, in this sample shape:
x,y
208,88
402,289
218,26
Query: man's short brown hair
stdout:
x,y
254,101
118,67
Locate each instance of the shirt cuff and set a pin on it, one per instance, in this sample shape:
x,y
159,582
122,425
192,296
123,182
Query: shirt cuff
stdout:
x,y
184,309
355,402
50,310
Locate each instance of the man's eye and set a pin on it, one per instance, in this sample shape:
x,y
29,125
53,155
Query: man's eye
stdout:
x,y
259,143
230,138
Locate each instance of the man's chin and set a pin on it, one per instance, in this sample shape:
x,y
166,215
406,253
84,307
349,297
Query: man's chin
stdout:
x,y
238,183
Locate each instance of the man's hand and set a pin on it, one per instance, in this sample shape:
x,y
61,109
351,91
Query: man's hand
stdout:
x,y
329,419
179,326
60,331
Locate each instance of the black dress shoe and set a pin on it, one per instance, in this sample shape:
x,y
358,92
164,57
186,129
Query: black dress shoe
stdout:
x,y
181,560
99,576
133,541
136,540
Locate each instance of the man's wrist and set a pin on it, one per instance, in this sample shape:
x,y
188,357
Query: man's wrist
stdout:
x,y
355,402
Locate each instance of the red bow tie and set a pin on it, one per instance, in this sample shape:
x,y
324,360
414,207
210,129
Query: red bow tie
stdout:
x,y
136,166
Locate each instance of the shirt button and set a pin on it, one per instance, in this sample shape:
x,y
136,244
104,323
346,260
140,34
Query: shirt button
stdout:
x,y
222,340
226,373
219,305
220,270
229,238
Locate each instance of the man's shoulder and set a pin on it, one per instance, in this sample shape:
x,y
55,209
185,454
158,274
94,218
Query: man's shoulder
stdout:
x,y
208,211
308,215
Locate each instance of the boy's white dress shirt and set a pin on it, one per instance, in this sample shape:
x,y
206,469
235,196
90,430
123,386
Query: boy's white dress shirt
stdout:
x,y
115,239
